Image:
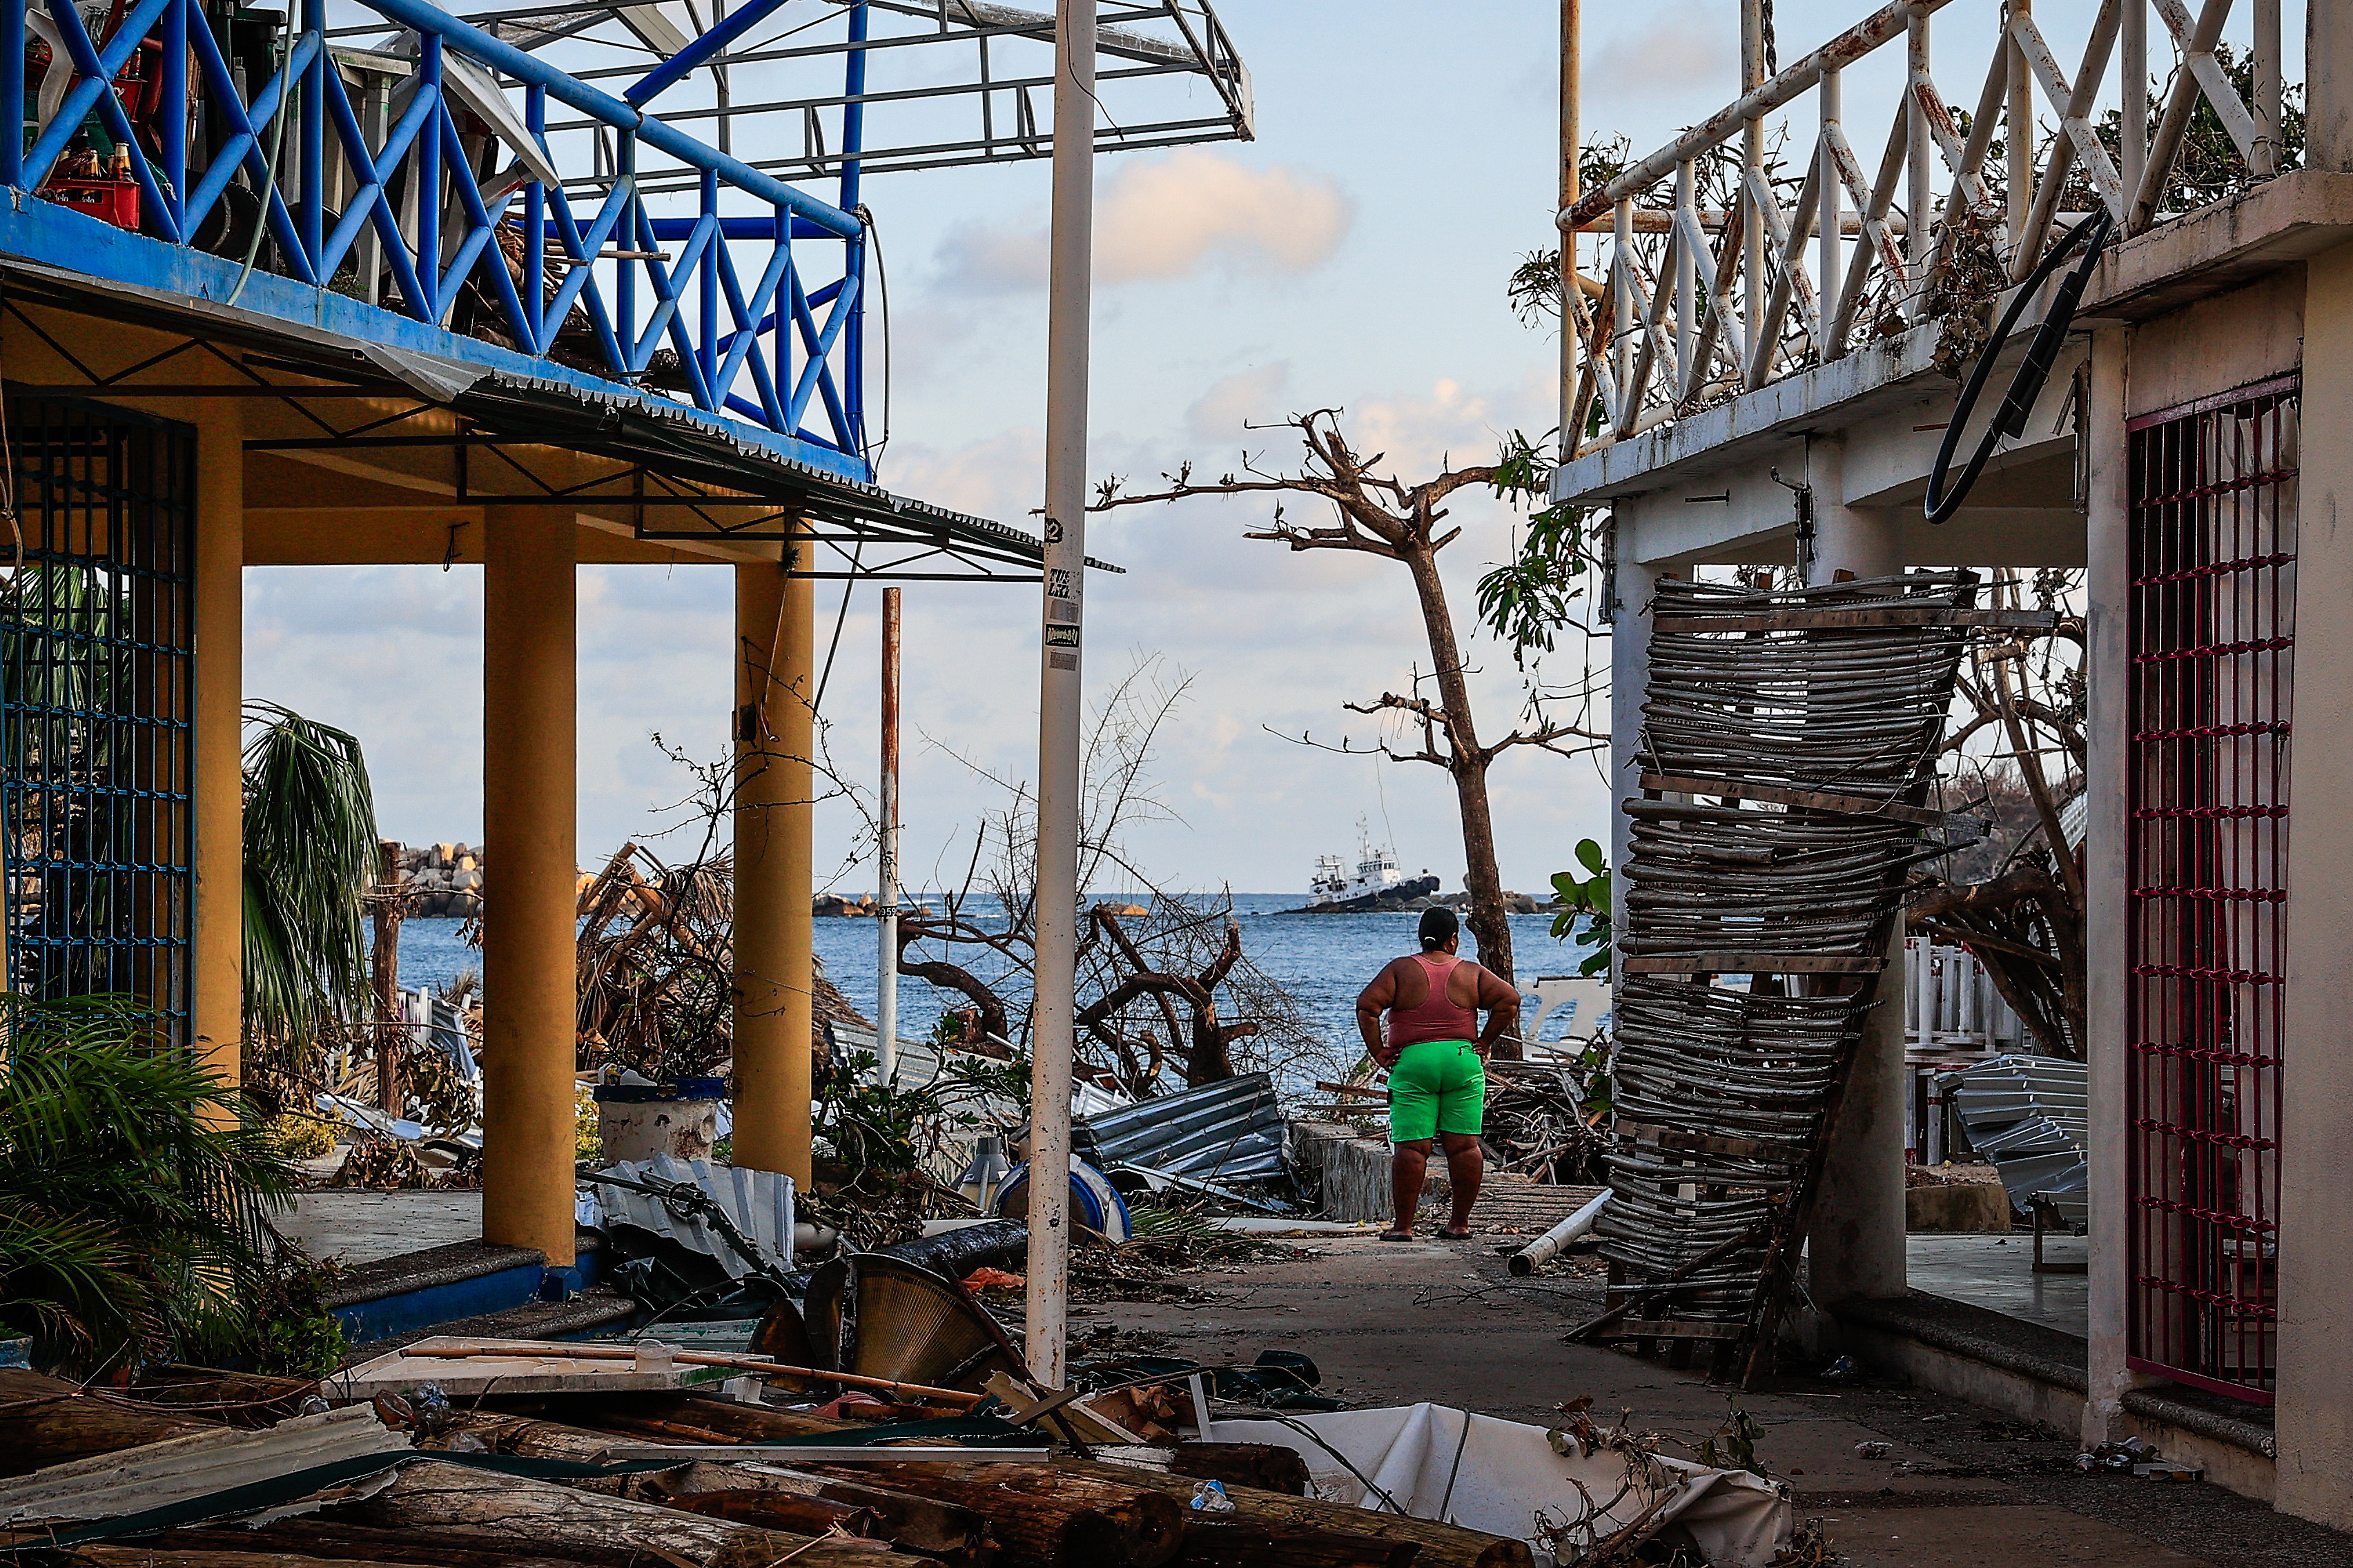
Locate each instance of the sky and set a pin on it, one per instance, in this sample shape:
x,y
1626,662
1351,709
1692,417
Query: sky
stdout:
x,y
1353,256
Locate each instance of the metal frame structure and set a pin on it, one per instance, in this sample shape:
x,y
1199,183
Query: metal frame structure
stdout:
x,y
870,86
2212,630
1681,322
96,692
459,180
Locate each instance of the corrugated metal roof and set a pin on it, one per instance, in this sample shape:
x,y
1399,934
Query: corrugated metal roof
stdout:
x,y
1228,1131
576,410
759,1202
2031,1116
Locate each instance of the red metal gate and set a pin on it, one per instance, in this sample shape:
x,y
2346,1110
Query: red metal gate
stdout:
x,y
2213,632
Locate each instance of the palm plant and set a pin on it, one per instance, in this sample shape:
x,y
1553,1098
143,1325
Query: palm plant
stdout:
x,y
134,1185
310,862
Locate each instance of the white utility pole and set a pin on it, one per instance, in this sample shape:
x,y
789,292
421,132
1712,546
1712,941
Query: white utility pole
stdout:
x,y
1052,1016
886,853
1572,424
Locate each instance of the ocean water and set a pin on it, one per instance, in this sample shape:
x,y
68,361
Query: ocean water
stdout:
x,y
1323,960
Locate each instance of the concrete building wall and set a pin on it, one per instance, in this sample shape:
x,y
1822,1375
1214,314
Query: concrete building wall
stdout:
x,y
2315,1412
2107,667
2216,344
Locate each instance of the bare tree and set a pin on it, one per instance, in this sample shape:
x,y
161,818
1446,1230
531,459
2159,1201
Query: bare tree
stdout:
x,y
1379,514
2017,900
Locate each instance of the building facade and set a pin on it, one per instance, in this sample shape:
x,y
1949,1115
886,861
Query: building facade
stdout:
x,y
1767,380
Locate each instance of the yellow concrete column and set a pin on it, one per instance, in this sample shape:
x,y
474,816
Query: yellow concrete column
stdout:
x,y
776,680
530,822
217,824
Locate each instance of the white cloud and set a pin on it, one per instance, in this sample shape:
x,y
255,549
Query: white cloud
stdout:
x,y
1168,217
1675,51
1244,398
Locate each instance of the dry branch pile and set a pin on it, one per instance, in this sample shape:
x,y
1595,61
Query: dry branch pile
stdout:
x,y
657,959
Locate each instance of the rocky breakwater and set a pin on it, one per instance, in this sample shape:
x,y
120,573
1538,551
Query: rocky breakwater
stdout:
x,y
442,880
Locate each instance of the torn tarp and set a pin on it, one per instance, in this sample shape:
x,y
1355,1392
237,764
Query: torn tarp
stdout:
x,y
1514,1481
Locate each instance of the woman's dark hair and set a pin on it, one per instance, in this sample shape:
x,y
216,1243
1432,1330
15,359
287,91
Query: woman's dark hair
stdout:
x,y
1438,924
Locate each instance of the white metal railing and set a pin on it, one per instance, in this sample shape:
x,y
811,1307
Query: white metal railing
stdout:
x,y
1711,302
1951,1008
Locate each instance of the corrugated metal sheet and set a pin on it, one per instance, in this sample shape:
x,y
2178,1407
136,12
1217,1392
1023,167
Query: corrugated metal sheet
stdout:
x,y
2031,1116
181,1470
1228,1131
759,1202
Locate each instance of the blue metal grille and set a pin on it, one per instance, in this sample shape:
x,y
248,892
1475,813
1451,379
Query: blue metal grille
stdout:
x,y
95,640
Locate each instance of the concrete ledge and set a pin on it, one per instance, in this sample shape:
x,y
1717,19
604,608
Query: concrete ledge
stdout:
x,y
2037,1374
2006,1344
453,1264
2225,247
2212,1415
592,1311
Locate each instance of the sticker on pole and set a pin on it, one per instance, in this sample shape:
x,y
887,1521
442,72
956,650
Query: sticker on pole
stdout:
x,y
1061,637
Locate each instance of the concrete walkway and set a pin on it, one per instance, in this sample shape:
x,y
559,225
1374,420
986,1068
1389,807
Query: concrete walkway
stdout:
x,y
1965,1488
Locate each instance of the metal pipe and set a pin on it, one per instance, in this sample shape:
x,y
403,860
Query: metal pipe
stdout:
x,y
2268,88
1686,286
1548,1247
1919,190
2134,86
886,855
1055,1006
1827,284
1572,420
1752,162
1845,49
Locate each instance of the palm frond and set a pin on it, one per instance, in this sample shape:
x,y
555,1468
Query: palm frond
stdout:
x,y
133,1183
310,860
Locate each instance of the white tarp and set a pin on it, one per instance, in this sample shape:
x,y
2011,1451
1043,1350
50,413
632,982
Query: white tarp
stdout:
x,y
1505,1478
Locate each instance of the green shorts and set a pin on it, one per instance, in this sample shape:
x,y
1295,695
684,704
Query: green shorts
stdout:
x,y
1437,1086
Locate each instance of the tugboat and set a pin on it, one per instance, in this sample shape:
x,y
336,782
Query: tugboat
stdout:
x,y
1377,872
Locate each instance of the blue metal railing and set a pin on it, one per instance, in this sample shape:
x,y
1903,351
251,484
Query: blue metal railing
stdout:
x,y
459,244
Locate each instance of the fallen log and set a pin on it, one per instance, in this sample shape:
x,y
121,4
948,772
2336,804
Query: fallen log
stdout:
x,y
317,1537
482,1511
1266,1466
1442,1545
1041,1520
908,1522
46,1421
1041,1516
164,1555
1254,1543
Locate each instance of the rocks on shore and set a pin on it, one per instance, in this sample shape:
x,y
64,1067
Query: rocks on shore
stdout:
x,y
443,881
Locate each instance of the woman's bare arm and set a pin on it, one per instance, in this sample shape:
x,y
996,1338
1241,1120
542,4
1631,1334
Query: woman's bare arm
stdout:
x,y
1371,1002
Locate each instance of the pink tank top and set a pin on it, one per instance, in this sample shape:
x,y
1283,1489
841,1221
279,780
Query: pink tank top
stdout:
x,y
1436,1017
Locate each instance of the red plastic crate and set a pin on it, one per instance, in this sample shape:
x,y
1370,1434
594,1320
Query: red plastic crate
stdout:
x,y
109,201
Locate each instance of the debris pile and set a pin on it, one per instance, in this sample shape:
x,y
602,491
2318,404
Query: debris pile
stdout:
x,y
505,1454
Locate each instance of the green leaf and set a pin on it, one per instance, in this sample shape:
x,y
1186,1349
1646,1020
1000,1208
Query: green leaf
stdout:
x,y
1589,855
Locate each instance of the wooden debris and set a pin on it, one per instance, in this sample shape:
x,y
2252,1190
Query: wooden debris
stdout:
x,y
1440,1545
1260,1465
1039,1517
908,1522
482,1511
174,1555
46,1421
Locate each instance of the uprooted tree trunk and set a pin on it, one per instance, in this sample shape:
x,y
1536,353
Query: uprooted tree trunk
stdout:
x,y
1379,515
1208,1056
